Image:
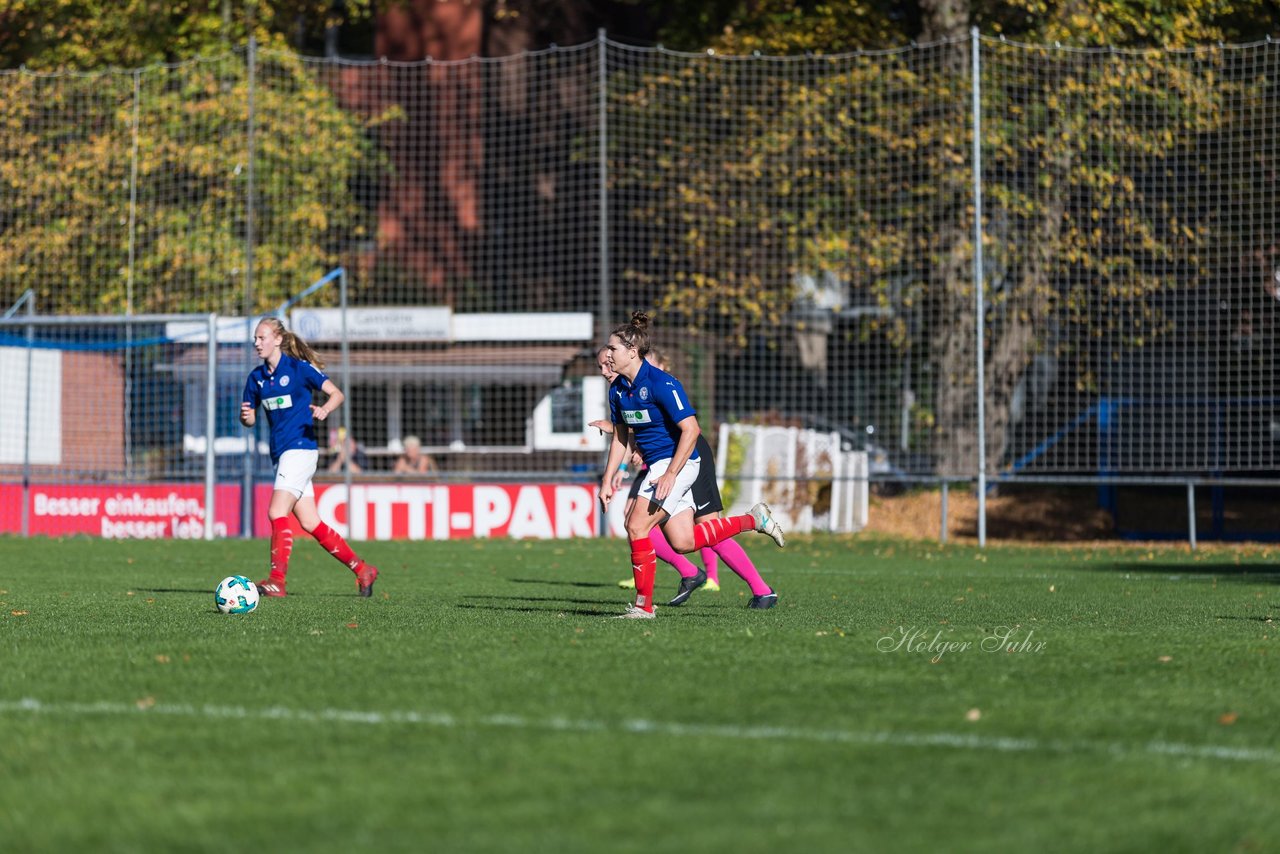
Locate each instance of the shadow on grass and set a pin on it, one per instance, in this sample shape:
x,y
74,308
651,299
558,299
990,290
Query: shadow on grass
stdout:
x,y
561,583
1252,572
667,613
540,599
533,609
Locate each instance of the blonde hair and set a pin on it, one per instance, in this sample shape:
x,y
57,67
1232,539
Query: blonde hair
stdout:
x,y
291,344
411,442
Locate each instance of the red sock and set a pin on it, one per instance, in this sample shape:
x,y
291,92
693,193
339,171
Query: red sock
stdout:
x,y
712,531
281,547
644,566
333,543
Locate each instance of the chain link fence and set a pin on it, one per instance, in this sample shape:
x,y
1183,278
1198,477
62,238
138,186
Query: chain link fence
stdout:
x,y
802,230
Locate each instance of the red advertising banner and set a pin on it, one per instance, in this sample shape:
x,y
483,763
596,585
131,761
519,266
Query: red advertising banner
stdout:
x,y
392,511
141,511
396,511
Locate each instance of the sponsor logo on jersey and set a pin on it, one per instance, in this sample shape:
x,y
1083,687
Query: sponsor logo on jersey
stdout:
x,y
284,401
636,416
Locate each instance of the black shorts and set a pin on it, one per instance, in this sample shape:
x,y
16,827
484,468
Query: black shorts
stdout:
x,y
706,492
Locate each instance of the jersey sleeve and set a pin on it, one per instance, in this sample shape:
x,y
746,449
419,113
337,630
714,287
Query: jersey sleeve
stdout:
x,y
251,395
615,406
313,376
670,397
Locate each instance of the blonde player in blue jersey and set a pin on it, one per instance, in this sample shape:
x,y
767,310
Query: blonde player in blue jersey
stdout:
x,y
283,385
650,410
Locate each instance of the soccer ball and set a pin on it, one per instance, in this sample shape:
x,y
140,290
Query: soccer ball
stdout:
x,y
235,595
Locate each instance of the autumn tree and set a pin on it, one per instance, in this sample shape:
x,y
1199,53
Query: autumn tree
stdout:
x,y
128,189
865,167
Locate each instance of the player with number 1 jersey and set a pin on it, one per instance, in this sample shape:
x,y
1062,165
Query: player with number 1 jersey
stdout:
x,y
651,411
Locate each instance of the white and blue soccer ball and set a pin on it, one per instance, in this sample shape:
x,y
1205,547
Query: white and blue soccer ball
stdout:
x,y
236,594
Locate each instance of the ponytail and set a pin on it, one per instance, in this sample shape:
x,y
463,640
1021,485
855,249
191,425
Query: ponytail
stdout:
x,y
635,335
292,345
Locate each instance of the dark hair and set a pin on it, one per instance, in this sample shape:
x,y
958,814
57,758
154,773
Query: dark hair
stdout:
x,y
292,344
636,333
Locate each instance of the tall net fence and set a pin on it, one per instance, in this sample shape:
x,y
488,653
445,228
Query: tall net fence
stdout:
x,y
1132,260
802,231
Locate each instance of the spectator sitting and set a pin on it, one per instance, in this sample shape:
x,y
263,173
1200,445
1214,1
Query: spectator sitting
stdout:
x,y
413,461
345,446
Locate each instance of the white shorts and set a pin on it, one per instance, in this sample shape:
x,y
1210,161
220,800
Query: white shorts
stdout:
x,y
681,496
295,470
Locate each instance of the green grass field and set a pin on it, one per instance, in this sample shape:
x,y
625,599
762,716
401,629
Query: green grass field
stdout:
x,y
480,701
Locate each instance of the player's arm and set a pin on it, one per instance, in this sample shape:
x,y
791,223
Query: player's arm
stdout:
x,y
618,449
336,397
249,405
689,432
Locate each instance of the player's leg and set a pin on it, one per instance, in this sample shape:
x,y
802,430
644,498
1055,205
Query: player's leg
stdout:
x,y
641,520
668,554
707,506
294,470
718,529
706,502
333,542
711,562
278,512
661,547
629,583
650,511
712,531
679,528
736,558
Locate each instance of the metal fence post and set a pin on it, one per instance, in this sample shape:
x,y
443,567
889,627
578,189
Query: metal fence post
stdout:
x,y
346,410
1191,514
946,522
979,302
602,119
246,487
210,424
30,297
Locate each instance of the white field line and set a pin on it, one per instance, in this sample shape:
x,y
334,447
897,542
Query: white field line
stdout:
x,y
884,738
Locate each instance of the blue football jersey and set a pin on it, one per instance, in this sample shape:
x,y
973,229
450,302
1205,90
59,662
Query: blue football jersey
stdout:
x,y
653,407
285,393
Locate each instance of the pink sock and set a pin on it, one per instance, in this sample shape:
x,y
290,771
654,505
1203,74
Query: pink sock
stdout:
x,y
736,559
663,550
711,562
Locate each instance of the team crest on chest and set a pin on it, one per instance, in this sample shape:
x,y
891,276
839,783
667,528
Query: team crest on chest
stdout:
x,y
284,380
644,392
